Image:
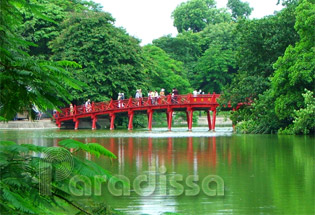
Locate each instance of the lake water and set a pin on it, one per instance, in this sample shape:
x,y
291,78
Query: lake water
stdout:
x,y
199,172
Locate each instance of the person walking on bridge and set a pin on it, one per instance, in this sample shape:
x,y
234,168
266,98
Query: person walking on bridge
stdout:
x,y
118,99
71,110
137,96
195,93
88,106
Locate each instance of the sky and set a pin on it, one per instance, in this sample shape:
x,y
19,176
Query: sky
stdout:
x,y
150,19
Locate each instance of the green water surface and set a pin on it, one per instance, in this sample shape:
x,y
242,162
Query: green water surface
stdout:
x,y
262,174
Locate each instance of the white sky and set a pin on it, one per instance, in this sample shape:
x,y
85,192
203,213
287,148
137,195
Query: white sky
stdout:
x,y
150,19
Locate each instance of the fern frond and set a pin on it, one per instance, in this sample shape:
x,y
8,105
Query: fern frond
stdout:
x,y
7,143
34,148
89,168
18,202
69,143
97,149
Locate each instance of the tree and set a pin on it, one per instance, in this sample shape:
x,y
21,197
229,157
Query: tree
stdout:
x,y
194,15
163,71
281,107
24,80
214,69
41,31
304,118
111,59
295,71
239,9
185,47
260,44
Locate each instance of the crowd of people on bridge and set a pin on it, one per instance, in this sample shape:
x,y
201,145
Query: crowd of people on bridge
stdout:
x,y
153,96
196,93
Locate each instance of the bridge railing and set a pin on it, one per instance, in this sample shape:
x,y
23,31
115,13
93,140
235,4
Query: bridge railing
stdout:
x,y
100,106
65,113
141,102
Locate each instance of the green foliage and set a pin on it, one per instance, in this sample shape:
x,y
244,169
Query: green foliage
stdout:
x,y
163,71
260,43
213,70
92,148
215,67
295,71
185,47
304,120
281,107
245,127
263,41
260,117
41,31
239,9
21,178
24,80
110,58
195,15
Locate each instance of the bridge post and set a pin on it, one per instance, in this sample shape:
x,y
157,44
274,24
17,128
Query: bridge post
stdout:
x,y
150,114
94,120
189,114
76,124
169,114
187,117
112,121
209,120
130,116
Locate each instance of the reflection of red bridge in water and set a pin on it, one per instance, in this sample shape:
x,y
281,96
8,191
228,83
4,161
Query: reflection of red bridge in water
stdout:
x,y
143,151
167,104
134,151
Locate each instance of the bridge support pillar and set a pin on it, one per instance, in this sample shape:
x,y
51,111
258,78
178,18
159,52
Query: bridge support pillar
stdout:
x,y
189,114
169,115
76,124
150,115
112,121
209,120
94,120
58,123
130,116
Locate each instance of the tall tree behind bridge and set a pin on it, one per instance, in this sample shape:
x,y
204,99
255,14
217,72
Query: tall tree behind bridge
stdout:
x,y
195,15
239,9
110,58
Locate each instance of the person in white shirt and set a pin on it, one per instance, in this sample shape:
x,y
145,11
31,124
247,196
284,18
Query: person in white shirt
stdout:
x,y
195,93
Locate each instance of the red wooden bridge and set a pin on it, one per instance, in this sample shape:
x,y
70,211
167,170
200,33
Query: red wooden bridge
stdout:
x,y
167,104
